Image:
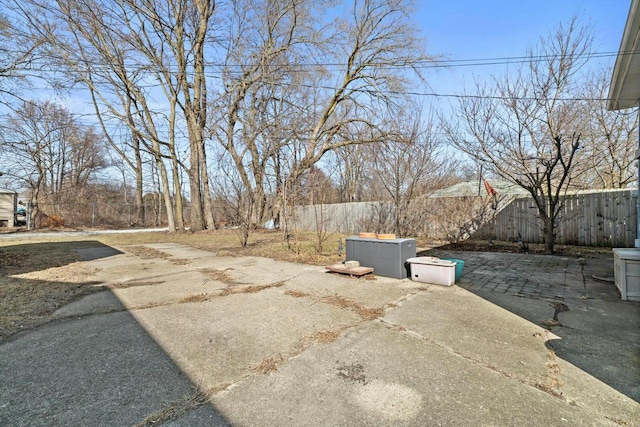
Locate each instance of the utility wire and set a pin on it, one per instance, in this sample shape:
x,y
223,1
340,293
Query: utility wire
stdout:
x,y
304,67
417,94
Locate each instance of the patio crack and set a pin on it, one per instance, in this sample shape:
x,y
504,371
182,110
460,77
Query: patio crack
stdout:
x,y
550,383
585,297
272,362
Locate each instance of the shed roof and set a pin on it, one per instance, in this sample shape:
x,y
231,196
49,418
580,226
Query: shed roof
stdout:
x,y
470,188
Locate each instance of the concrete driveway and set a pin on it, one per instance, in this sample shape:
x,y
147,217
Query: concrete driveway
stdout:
x,y
184,337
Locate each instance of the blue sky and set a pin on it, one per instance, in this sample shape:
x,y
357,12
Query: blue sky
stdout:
x,y
468,29
479,29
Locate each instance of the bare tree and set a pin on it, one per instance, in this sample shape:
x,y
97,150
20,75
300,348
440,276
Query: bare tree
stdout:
x,y
88,43
286,103
238,207
406,165
318,190
172,36
352,171
50,152
610,137
17,58
523,130
130,55
378,47
251,112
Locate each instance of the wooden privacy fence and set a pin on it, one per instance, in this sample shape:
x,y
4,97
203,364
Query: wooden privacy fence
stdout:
x,y
588,218
337,217
438,218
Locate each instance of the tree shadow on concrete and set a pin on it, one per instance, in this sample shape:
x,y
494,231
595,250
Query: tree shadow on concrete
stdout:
x,y
94,369
598,333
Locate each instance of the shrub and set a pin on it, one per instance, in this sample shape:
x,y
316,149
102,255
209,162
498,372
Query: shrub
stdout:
x,y
52,221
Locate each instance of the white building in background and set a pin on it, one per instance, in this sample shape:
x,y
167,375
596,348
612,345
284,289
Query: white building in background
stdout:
x,y
8,206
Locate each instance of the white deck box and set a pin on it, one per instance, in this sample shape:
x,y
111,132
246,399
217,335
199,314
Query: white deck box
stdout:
x,y
626,266
432,270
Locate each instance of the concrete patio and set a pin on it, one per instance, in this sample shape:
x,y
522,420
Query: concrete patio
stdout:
x,y
192,338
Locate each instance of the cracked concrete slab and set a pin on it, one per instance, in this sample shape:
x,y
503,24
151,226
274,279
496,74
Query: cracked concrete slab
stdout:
x,y
376,375
226,338
471,327
275,343
164,289
371,293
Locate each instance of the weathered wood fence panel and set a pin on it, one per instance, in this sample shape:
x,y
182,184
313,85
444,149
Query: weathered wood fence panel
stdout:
x,y
598,218
595,218
339,217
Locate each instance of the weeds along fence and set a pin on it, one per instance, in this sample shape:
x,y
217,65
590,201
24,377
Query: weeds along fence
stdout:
x,y
99,215
439,218
588,218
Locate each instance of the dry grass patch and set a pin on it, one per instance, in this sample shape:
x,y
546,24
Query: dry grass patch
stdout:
x,y
369,313
181,406
38,278
366,313
198,298
324,337
148,305
230,291
297,294
320,337
220,276
619,421
250,289
124,285
25,303
145,252
551,383
269,364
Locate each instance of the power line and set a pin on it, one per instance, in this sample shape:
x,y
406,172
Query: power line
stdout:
x,y
433,94
305,67
428,94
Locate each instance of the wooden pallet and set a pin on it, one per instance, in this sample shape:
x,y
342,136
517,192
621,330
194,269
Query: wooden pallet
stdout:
x,y
351,271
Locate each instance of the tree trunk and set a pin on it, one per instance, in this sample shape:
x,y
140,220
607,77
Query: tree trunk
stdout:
x,y
140,216
208,205
197,219
33,214
165,188
177,188
549,233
